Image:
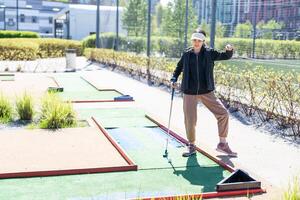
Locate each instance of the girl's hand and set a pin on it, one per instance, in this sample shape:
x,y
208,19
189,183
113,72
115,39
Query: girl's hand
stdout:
x,y
229,47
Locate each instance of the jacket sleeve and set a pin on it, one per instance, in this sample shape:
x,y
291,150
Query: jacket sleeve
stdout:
x,y
178,70
216,55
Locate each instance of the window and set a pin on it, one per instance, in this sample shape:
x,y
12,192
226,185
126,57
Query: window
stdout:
x,y
50,20
11,22
34,19
22,18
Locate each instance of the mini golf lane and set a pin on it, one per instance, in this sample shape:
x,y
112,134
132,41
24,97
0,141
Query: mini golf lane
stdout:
x,y
7,77
146,147
117,117
78,90
29,153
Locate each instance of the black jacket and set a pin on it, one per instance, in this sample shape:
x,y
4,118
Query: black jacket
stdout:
x,y
206,64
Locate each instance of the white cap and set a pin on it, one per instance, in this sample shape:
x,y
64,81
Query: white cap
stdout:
x,y
198,36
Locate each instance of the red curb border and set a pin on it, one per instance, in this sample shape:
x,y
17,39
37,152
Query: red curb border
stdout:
x,y
116,145
99,101
54,80
208,195
65,172
87,81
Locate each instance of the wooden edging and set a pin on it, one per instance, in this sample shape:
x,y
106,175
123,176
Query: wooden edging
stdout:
x,y
107,89
208,195
115,144
66,172
99,101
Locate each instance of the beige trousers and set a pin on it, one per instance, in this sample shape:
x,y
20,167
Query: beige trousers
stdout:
x,y
213,104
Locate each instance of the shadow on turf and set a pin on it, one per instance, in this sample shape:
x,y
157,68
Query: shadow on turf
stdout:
x,y
226,159
207,177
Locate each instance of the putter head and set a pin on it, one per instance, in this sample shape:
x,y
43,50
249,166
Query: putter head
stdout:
x,y
166,154
124,98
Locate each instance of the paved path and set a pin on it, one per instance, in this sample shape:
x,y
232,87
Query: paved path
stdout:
x,y
41,65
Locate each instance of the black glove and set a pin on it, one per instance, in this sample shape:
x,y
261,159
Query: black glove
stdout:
x,y
173,80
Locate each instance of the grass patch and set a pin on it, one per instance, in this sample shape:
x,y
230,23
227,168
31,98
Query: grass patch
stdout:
x,y
56,114
25,107
293,191
32,126
5,109
276,65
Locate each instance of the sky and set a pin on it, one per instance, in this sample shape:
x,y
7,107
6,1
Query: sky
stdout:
x,y
164,2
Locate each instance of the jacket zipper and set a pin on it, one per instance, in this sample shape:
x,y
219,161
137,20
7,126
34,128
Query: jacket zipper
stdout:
x,y
197,74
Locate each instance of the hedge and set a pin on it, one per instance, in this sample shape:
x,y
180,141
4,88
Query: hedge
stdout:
x,y
172,47
18,34
18,50
264,48
269,94
31,49
56,47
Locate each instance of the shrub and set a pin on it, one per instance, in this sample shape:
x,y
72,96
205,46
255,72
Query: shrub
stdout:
x,y
25,107
173,47
18,34
293,191
264,48
18,49
30,49
56,113
170,47
5,109
56,47
89,41
107,41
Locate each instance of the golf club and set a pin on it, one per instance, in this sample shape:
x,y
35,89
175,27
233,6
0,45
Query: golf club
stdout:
x,y
170,114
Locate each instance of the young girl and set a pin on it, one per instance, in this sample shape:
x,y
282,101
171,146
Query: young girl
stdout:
x,y
197,64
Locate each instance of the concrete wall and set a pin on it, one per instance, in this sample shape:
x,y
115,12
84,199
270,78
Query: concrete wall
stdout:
x,y
83,21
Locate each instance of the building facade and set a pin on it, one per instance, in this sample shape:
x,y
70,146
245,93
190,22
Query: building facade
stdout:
x,y
57,19
33,15
78,21
232,12
285,11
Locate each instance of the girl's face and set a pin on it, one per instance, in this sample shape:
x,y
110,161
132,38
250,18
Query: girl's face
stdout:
x,y
197,44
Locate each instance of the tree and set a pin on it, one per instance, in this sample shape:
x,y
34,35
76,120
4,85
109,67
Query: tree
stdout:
x,y
220,29
135,17
159,11
122,3
205,27
174,19
168,25
266,29
243,30
156,20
